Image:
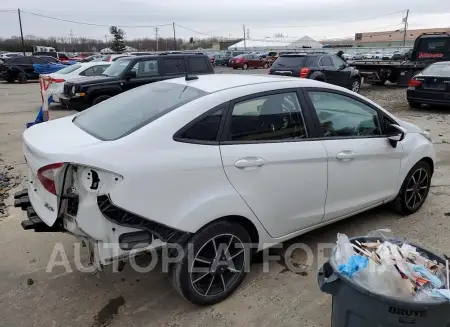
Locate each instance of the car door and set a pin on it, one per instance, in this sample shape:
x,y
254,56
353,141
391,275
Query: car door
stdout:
x,y
272,163
328,69
343,71
363,167
147,71
23,64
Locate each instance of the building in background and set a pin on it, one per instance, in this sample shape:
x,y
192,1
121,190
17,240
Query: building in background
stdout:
x,y
223,45
393,38
268,44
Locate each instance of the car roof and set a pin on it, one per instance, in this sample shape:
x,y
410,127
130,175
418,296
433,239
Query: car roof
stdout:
x,y
94,63
218,82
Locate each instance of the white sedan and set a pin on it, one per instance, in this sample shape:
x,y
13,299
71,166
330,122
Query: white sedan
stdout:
x,y
214,163
78,70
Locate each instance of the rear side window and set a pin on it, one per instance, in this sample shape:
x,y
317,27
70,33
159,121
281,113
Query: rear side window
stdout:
x,y
437,70
129,111
205,129
294,61
198,65
20,61
173,65
326,61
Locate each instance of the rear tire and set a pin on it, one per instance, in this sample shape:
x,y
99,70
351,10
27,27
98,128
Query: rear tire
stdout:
x,y
414,190
100,98
414,105
215,282
22,78
356,85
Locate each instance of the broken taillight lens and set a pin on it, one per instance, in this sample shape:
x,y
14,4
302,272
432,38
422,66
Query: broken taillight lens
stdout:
x,y
47,174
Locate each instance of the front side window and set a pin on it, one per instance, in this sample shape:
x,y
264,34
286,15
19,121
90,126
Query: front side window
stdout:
x,y
113,119
88,72
326,61
338,62
342,116
267,118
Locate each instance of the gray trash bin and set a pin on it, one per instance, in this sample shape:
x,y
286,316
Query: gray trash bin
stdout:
x,y
355,306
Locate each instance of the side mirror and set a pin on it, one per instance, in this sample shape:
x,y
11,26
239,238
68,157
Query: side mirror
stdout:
x,y
130,74
395,133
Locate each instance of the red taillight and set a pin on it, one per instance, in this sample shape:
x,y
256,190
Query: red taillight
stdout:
x,y
304,72
58,80
109,59
414,83
46,175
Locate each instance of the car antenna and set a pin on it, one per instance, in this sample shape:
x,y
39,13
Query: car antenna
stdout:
x,y
188,77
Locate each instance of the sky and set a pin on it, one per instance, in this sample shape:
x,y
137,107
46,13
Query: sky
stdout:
x,y
319,19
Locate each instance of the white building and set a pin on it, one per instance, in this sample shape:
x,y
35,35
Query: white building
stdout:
x,y
268,44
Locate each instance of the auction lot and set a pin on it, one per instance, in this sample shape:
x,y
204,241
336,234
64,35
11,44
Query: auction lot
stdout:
x,y
279,297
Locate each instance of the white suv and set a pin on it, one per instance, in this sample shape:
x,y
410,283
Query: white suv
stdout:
x,y
215,163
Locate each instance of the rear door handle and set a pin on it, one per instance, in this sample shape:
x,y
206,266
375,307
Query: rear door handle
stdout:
x,y
346,155
249,162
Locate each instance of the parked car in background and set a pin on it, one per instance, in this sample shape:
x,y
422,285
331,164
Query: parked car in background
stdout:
x,y
352,56
373,55
149,168
401,54
213,57
8,55
246,61
92,57
322,67
431,86
72,72
111,57
61,56
224,60
20,68
127,73
387,55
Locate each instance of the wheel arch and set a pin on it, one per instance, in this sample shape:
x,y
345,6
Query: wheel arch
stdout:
x,y
430,162
244,222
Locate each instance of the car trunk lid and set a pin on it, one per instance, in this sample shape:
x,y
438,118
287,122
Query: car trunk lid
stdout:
x,y
434,83
50,145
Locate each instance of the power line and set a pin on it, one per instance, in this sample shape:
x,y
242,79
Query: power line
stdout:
x,y
189,29
7,10
93,24
332,23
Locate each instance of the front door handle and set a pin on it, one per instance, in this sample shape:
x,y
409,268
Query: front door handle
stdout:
x,y
249,162
346,155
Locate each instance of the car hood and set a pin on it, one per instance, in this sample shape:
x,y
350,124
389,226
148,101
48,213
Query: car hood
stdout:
x,y
410,128
87,80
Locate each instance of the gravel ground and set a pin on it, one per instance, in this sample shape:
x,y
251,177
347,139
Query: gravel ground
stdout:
x,y
32,295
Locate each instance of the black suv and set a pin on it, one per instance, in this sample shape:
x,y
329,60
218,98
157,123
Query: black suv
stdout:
x,y
20,69
130,72
323,67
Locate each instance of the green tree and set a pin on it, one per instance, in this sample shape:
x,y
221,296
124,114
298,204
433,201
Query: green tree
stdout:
x,y
117,43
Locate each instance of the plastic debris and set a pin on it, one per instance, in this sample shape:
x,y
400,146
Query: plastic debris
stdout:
x,y
354,264
390,266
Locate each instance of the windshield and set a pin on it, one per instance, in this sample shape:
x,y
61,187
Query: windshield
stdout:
x,y
129,111
437,70
117,68
68,69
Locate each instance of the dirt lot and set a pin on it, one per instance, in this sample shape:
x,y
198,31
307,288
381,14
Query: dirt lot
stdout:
x,y
277,298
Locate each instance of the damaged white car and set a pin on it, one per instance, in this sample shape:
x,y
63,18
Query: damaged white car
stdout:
x,y
219,159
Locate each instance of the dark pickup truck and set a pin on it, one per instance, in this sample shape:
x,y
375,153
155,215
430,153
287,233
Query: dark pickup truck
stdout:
x,y
130,72
428,49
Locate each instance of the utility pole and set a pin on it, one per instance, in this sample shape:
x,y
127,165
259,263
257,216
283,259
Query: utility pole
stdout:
x,y
106,38
405,20
21,32
245,42
248,33
166,45
174,38
71,36
157,38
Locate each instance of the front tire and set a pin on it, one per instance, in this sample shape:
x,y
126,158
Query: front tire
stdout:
x,y
100,98
244,66
213,264
266,65
414,190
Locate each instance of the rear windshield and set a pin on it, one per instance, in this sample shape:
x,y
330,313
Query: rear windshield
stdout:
x,y
68,69
293,61
437,70
127,112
